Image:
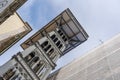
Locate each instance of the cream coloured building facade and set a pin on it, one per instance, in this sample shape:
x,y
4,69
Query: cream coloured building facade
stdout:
x,y
12,27
11,31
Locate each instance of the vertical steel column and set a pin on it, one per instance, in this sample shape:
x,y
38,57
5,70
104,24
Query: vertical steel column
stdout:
x,y
70,13
60,25
69,28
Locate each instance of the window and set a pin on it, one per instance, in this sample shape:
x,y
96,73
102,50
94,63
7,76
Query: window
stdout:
x,y
47,48
60,46
36,59
56,40
51,51
53,36
8,74
59,31
58,43
44,44
39,66
30,56
62,35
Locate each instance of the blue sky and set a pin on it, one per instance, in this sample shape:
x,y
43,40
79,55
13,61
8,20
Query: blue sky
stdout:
x,y
100,19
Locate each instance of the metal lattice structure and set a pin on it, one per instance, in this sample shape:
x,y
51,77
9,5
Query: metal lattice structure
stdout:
x,y
45,47
69,26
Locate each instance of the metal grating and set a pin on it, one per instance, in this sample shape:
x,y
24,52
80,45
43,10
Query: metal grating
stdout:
x,y
65,22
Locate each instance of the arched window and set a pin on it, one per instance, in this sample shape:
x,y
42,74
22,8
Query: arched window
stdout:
x,y
40,65
34,61
51,51
30,56
47,48
59,31
53,36
44,44
58,43
55,39
62,35
60,46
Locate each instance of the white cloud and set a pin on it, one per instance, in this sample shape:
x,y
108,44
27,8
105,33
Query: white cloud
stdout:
x,y
100,18
94,15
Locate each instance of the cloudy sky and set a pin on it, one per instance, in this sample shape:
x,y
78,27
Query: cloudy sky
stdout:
x,y
100,19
